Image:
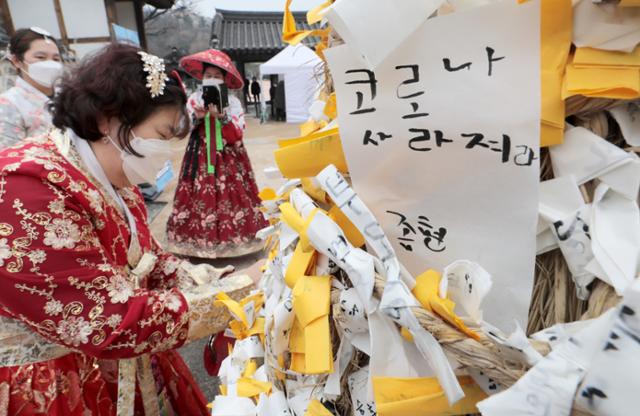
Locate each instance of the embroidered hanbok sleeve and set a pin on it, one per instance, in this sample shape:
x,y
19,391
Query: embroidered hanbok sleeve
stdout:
x,y
11,124
56,277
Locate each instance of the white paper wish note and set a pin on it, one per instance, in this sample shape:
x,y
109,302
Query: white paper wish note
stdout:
x,y
360,23
442,143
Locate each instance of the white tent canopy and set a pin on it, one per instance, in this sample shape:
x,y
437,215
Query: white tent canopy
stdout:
x,y
299,65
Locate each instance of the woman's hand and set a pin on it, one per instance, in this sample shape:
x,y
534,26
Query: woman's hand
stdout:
x,y
213,110
199,112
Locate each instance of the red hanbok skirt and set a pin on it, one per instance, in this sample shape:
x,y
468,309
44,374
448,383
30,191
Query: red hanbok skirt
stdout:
x,y
79,385
215,215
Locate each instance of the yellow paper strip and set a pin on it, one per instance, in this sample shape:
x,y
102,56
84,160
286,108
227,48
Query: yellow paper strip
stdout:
x,y
619,84
316,14
290,33
422,396
556,36
249,387
426,291
309,158
315,408
352,233
590,58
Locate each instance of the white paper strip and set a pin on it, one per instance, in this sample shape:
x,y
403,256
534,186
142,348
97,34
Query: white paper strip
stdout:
x,y
605,26
361,24
615,226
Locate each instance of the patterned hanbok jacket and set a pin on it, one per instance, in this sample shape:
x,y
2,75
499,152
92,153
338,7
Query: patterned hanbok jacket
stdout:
x,y
23,113
91,308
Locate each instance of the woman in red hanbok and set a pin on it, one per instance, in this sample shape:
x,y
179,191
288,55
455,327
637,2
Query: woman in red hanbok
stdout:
x,y
91,309
216,211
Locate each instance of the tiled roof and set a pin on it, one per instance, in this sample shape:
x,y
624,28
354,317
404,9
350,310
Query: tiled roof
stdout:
x,y
240,32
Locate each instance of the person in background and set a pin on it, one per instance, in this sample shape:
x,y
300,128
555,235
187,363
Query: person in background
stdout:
x,y
216,211
245,90
272,97
256,90
92,310
36,57
281,107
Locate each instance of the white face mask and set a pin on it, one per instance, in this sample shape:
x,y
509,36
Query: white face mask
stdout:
x,y
45,73
144,169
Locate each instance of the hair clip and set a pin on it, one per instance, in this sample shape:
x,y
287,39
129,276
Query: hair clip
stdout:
x,y
156,77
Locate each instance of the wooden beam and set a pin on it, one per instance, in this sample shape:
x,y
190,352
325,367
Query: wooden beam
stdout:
x,y
112,16
6,17
137,5
98,39
61,25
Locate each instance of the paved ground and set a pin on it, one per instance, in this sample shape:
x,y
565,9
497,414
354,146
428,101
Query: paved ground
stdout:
x,y
260,141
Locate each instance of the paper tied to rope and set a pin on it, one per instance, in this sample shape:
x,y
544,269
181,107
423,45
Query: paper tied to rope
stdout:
x,y
233,406
466,283
549,387
353,320
559,333
274,404
332,389
300,394
605,26
568,218
588,156
626,114
328,239
306,156
283,318
422,396
614,229
244,323
316,408
324,265
396,298
615,234
428,293
347,201
515,347
610,384
396,303
357,382
311,299
252,388
246,349
311,188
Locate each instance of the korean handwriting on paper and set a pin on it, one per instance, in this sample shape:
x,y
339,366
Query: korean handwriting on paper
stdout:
x,y
410,90
432,238
364,409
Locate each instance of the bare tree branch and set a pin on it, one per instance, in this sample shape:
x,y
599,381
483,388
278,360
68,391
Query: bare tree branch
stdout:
x,y
151,13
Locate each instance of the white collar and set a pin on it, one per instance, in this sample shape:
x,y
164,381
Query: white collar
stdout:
x,y
93,165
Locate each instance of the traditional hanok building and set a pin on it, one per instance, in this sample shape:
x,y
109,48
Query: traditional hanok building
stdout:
x,y
252,36
82,26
